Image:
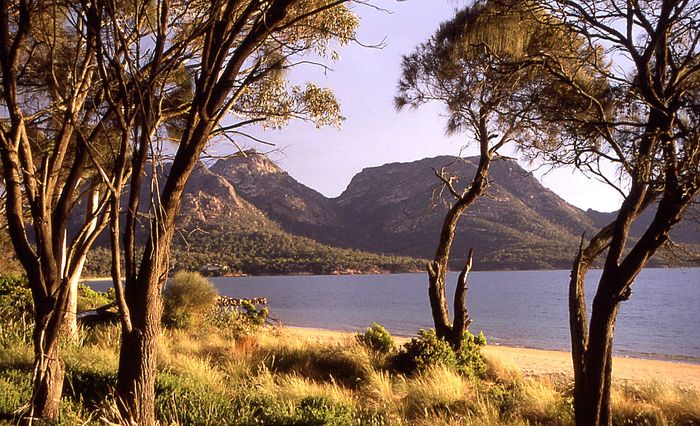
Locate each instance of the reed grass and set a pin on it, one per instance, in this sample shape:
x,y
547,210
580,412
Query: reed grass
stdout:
x,y
272,377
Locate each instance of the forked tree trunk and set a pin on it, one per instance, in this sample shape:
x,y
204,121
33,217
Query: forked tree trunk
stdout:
x,y
49,372
437,269
595,406
592,343
138,355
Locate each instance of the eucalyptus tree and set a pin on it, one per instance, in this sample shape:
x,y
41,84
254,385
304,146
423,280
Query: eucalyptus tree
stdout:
x,y
643,120
191,72
47,138
477,65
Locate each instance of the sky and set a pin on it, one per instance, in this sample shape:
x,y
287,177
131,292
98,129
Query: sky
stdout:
x,y
374,133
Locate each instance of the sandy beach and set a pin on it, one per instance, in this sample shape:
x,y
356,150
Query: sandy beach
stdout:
x,y
538,362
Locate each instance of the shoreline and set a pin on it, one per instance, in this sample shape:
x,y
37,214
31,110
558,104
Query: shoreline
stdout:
x,y
548,363
402,338
420,271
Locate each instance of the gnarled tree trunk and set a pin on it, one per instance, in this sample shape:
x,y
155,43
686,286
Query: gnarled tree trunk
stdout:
x,y
592,343
437,269
138,354
48,372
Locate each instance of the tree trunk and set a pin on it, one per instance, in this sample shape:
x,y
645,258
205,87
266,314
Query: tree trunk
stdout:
x,y
578,325
137,362
438,300
595,407
70,323
49,370
138,354
462,320
437,269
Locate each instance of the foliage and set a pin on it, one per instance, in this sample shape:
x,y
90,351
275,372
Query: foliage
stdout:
x,y
186,295
8,261
15,389
91,299
269,252
469,357
239,321
15,296
321,411
16,309
427,350
422,352
98,263
376,338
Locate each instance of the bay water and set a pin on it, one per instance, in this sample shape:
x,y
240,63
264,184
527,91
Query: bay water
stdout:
x,y
661,320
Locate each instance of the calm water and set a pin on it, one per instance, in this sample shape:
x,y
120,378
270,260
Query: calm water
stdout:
x,y
522,308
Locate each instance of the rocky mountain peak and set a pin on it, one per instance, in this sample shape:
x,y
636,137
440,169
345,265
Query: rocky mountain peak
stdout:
x,y
250,163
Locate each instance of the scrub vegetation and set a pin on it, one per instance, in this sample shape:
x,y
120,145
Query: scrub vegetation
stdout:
x,y
238,372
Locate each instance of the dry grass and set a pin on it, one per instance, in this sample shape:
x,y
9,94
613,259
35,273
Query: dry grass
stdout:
x,y
539,402
440,389
656,403
497,371
274,374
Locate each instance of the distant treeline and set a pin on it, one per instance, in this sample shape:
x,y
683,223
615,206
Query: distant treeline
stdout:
x,y
266,253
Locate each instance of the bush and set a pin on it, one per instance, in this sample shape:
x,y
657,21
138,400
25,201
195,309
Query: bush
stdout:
x,y
422,352
187,294
15,390
428,350
15,296
91,299
241,321
322,411
469,357
16,309
376,338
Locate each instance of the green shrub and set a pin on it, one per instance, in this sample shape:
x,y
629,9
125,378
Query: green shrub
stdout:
x,y
186,295
376,338
91,299
322,411
422,352
15,390
87,386
16,309
428,350
15,296
241,321
469,357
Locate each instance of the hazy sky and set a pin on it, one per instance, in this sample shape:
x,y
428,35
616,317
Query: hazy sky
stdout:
x,y
374,133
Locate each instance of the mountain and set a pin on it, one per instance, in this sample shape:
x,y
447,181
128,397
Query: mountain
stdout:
x,y
519,224
297,208
398,209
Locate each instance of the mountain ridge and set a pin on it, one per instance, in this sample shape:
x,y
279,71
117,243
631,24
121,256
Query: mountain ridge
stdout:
x,y
397,209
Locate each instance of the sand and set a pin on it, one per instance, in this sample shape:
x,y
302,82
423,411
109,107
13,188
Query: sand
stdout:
x,y
537,362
